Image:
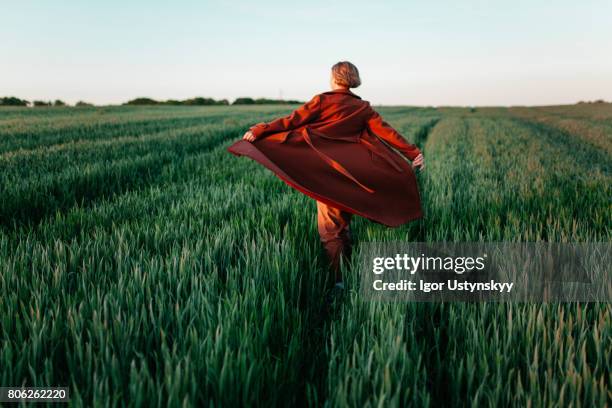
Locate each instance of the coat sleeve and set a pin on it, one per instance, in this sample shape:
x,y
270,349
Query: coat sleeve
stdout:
x,y
301,116
383,130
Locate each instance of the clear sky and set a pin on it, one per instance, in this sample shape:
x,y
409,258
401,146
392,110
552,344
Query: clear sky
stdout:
x,y
408,52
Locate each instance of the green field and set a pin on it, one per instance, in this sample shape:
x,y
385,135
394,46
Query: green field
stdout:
x,y
142,264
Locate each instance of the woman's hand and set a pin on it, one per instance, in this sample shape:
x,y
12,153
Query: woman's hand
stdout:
x,y
249,136
419,162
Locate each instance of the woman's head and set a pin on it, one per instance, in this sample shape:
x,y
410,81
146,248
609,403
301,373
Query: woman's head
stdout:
x,y
345,75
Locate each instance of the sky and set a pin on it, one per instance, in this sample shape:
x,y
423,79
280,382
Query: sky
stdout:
x,y
470,53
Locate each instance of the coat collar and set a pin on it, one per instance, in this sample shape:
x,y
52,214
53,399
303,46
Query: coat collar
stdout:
x,y
342,91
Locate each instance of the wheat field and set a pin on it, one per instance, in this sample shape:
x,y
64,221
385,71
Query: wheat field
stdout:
x,y
141,264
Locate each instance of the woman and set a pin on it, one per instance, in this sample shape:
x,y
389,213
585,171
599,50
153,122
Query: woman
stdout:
x,y
335,149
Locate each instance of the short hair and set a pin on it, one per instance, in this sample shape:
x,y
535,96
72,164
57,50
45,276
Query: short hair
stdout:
x,y
346,74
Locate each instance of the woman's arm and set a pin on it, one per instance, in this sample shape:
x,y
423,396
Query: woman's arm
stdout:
x,y
301,116
382,129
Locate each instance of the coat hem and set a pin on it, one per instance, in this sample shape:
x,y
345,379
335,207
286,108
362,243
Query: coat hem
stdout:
x,y
243,148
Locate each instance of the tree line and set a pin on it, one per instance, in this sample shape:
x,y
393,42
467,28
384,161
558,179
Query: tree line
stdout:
x,y
13,101
198,101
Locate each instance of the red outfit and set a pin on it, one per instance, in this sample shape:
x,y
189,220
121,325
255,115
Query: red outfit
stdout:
x,y
333,226
332,150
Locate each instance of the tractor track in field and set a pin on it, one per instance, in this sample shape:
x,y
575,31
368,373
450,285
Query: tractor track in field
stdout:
x,y
25,141
423,133
25,212
592,155
315,366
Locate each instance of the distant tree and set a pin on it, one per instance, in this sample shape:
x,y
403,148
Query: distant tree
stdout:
x,y
199,101
13,101
81,104
244,101
59,102
265,101
41,103
142,101
592,102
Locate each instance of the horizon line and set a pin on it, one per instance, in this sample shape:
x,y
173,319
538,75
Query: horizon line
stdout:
x,y
49,103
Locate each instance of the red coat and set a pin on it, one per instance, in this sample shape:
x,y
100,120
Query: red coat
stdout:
x,y
332,150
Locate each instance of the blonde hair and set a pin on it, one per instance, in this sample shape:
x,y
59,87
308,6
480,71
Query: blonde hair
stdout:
x,y
346,74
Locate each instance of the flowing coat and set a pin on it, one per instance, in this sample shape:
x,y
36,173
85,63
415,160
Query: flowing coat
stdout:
x,y
338,150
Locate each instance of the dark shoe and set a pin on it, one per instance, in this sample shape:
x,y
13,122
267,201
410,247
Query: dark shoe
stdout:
x,y
335,295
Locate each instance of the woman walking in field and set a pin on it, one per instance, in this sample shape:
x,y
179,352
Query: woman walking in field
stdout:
x,y
333,149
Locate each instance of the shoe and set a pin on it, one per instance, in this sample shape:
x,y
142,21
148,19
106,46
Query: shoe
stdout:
x,y
336,294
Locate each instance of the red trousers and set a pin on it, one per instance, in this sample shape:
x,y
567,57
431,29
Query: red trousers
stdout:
x,y
333,226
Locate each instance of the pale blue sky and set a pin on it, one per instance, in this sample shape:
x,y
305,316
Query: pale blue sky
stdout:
x,y
408,52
